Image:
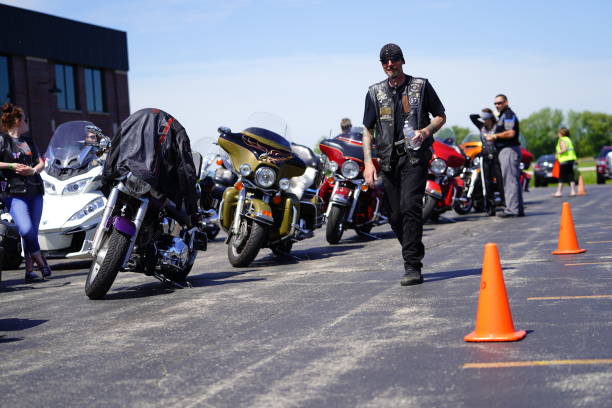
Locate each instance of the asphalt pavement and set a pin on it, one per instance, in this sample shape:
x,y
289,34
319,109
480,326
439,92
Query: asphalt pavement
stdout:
x,y
332,329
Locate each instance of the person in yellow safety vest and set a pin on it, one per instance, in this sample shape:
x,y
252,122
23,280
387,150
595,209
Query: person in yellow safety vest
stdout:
x,y
566,155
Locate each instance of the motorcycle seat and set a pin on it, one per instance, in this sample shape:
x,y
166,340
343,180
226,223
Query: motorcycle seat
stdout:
x,y
306,154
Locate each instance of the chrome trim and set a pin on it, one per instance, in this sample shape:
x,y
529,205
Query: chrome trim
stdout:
x,y
356,194
140,214
329,206
239,207
108,209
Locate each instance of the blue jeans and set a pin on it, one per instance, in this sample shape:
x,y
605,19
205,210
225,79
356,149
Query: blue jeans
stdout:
x,y
26,212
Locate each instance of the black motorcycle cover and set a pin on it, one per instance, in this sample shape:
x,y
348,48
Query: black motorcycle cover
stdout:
x,y
155,147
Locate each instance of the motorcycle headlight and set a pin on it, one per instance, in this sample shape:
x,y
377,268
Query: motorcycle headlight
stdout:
x,y
438,166
76,187
91,207
522,166
284,184
49,187
265,177
450,172
136,186
350,169
477,161
332,166
245,169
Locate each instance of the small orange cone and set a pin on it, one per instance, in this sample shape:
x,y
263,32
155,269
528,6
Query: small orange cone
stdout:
x,y
581,189
568,244
493,319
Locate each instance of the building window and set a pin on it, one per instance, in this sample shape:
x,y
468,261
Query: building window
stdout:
x,y
5,90
64,80
93,89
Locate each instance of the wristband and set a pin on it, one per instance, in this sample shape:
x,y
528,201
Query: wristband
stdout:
x,y
11,167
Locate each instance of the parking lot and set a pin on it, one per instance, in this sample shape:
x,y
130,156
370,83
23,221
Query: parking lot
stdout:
x,y
332,328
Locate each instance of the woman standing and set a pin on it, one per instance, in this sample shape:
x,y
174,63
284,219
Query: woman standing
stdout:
x,y
566,157
21,164
485,122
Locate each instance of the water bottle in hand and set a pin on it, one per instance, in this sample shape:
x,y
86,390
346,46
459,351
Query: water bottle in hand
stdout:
x,y
409,133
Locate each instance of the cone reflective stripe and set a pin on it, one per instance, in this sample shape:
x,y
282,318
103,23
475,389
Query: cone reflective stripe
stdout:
x,y
581,189
493,319
568,243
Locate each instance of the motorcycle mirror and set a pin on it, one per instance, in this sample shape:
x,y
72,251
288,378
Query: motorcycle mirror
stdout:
x,y
224,130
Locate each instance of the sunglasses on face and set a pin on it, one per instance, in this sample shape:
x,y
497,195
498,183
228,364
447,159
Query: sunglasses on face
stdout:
x,y
499,103
392,59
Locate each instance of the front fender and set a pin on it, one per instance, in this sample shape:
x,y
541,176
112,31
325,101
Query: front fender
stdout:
x,y
433,189
341,196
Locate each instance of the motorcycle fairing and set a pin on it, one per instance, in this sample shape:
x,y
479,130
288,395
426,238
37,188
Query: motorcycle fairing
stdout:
x,y
230,198
448,154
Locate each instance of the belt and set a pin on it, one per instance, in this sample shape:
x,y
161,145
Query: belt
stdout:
x,y
400,147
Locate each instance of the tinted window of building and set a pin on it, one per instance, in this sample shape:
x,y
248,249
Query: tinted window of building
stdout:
x,y
64,80
5,89
93,89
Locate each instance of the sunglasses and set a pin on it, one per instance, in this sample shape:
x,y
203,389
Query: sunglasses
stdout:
x,y
392,59
498,103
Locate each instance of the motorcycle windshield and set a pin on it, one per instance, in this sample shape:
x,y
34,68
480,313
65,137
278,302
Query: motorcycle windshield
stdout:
x,y
270,127
67,149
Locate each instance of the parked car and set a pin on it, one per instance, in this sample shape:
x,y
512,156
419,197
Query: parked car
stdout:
x,y
603,164
542,170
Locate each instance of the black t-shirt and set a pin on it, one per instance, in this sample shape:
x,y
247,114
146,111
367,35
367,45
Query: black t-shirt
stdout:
x,y
507,121
431,105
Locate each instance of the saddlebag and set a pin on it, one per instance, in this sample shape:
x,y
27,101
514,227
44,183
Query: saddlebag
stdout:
x,y
10,241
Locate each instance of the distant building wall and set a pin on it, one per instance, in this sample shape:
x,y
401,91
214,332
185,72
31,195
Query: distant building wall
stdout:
x,y
60,70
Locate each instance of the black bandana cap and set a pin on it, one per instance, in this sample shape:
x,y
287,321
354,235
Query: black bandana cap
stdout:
x,y
391,51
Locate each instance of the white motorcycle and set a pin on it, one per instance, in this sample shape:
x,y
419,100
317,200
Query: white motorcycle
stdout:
x,y
73,202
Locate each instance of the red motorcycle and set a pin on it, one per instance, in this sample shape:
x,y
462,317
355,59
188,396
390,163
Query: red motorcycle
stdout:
x,y
444,189
349,203
524,177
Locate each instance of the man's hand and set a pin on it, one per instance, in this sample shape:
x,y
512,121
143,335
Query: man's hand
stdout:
x,y
369,173
490,137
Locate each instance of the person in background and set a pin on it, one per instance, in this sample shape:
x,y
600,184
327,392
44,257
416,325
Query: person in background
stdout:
x,y
506,137
567,156
346,125
485,122
21,164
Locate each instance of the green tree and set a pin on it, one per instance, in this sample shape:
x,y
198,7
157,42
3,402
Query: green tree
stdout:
x,y
540,130
460,133
590,131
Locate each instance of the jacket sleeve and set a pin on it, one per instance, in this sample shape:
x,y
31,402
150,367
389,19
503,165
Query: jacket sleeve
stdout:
x,y
186,172
476,120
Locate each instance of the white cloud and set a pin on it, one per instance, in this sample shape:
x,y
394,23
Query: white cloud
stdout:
x,y
314,92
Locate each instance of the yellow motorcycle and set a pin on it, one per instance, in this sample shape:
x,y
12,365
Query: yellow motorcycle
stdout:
x,y
274,202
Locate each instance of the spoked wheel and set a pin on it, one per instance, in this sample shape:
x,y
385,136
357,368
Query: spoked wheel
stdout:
x,y
106,265
244,246
335,225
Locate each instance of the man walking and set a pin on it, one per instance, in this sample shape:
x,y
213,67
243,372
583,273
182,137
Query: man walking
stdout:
x,y
507,143
402,101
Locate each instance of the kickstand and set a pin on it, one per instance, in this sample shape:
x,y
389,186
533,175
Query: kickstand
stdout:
x,y
367,234
165,280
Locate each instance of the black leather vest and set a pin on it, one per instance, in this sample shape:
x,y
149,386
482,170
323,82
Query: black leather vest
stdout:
x,y
13,183
382,96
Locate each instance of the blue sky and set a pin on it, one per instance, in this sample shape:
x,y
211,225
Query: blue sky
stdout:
x,y
212,63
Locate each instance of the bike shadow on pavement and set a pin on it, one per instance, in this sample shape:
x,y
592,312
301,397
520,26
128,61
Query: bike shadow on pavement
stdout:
x,y
220,278
310,254
15,324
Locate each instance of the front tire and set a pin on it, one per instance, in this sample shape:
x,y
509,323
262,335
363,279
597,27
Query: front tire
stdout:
x,y
429,205
244,247
463,207
335,225
106,265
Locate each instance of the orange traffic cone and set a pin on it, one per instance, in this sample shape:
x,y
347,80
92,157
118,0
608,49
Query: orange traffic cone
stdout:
x,y
493,319
568,244
581,189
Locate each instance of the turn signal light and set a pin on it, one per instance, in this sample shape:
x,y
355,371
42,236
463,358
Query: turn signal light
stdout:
x,y
364,187
276,200
219,162
267,213
331,180
239,186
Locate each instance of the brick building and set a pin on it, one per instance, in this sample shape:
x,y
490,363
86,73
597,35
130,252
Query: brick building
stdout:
x,y
60,70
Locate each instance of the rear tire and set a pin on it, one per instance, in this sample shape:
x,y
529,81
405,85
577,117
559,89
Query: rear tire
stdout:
x,y
601,179
429,204
283,248
106,265
335,225
241,254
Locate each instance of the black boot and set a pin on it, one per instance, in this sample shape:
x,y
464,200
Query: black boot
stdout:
x,y
412,276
